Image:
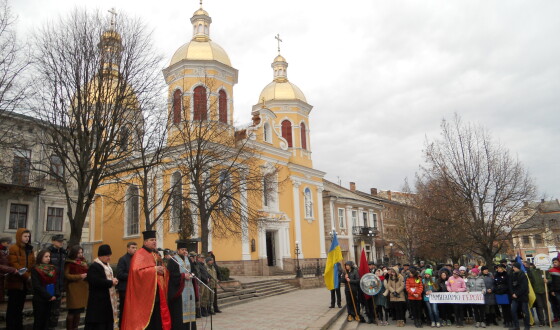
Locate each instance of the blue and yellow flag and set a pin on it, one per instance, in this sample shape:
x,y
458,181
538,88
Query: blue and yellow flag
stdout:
x,y
331,270
532,296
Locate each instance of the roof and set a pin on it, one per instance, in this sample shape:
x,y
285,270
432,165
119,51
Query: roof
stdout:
x,y
538,220
333,189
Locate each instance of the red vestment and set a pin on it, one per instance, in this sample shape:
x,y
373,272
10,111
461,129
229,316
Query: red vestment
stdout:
x,y
143,281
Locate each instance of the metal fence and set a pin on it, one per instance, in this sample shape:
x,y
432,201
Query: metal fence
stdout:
x,y
312,268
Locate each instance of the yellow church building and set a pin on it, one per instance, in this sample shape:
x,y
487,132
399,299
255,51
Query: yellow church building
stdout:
x,y
200,75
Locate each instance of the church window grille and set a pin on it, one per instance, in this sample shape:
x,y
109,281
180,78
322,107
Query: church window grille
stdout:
x,y
177,107
287,132
303,136
222,106
200,103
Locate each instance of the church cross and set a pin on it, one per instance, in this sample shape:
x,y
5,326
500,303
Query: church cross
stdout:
x,y
113,13
277,37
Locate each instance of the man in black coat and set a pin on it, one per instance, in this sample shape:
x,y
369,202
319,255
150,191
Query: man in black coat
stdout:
x,y
519,290
102,300
123,266
351,280
58,258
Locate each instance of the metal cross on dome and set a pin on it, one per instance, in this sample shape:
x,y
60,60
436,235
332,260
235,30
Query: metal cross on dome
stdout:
x,y
277,37
113,13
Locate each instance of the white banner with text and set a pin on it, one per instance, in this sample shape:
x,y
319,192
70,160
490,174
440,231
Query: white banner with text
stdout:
x,y
456,298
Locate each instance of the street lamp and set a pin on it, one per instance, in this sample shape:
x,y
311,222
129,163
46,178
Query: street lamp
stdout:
x,y
298,270
391,253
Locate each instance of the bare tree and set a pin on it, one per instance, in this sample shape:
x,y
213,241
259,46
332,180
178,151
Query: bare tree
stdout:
x,y
13,63
96,78
444,236
481,180
408,235
224,181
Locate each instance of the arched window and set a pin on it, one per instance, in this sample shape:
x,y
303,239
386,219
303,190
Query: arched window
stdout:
x,y
308,203
177,107
222,106
287,132
132,211
123,138
267,136
200,103
303,136
176,201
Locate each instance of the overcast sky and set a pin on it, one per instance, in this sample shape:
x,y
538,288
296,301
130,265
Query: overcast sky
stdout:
x,y
381,75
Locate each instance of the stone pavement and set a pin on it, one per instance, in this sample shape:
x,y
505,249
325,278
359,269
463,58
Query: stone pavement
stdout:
x,y
299,309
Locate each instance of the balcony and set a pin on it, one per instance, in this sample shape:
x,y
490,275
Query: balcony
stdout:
x,y
31,182
364,231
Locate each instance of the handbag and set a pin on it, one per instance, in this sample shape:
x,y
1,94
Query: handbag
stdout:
x,y
502,299
50,289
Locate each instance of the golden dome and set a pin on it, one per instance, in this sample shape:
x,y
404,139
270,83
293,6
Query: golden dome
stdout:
x,y
279,58
200,11
201,50
281,91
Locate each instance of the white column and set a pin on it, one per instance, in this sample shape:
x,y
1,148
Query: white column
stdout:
x,y
287,250
245,249
262,243
349,226
210,234
297,218
333,214
159,224
321,222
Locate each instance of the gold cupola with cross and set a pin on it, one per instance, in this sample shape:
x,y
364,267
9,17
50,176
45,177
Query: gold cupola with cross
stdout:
x,y
200,79
283,109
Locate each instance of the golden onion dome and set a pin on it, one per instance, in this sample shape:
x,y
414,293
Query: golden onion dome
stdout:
x,y
282,91
201,50
200,11
279,58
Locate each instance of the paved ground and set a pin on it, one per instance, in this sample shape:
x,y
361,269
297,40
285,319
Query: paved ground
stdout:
x,y
294,310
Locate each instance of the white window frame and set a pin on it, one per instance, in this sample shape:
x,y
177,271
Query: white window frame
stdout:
x,y
47,218
267,133
355,218
30,210
365,219
341,218
308,199
173,226
126,211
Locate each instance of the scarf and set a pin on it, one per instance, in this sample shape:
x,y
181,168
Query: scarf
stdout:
x,y
47,273
112,292
77,267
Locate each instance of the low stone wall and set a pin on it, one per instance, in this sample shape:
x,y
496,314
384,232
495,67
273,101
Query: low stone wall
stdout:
x,y
261,268
306,282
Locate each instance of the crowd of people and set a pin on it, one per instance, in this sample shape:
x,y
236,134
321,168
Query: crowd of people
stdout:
x,y
405,288
145,291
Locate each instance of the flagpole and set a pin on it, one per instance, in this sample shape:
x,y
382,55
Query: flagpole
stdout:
x,y
356,317
547,301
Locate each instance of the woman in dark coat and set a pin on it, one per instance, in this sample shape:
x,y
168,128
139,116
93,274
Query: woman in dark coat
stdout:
x,y
501,288
45,289
489,297
102,307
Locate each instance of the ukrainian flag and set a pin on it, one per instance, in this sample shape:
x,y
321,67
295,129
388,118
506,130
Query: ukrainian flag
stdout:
x,y
333,257
532,296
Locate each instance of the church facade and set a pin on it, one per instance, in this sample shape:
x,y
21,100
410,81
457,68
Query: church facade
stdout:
x,y
201,79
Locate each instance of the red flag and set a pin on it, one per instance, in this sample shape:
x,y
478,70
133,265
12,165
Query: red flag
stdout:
x,y
363,269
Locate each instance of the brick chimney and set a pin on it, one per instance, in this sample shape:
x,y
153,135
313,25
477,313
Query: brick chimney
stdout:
x,y
352,186
373,191
389,195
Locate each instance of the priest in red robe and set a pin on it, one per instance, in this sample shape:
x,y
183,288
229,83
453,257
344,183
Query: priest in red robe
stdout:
x,y
146,292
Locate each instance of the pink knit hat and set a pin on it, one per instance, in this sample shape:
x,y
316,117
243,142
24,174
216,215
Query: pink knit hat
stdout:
x,y
475,271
